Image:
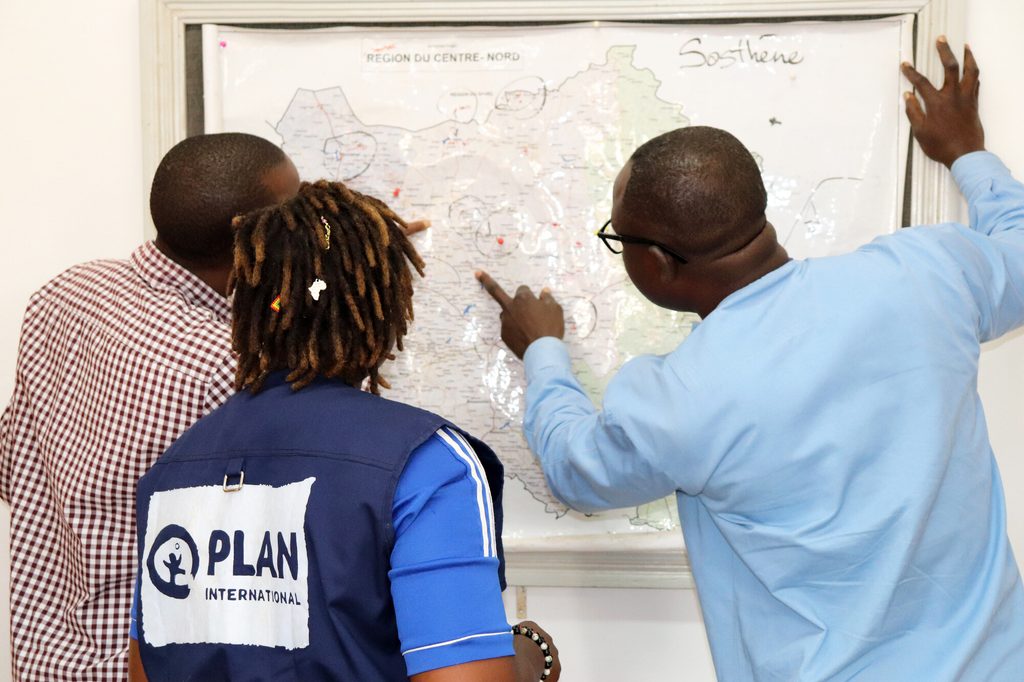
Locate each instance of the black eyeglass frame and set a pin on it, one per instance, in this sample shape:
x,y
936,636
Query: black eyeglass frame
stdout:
x,y
606,238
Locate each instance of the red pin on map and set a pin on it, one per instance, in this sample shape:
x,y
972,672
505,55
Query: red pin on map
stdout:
x,y
501,240
223,43
398,190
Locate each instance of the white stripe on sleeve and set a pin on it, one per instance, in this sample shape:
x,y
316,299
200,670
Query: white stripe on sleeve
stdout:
x,y
454,641
487,489
483,493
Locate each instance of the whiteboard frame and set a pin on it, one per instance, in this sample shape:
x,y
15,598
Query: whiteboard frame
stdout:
x,y
576,562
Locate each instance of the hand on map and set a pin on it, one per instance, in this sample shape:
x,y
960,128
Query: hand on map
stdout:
x,y
948,126
415,226
525,318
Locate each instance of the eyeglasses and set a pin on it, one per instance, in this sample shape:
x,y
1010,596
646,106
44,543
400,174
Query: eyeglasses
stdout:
x,y
614,242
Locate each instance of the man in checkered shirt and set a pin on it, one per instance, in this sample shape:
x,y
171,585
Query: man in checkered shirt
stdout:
x,y
117,359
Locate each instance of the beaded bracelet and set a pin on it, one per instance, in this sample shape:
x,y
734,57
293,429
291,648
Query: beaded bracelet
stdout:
x,y
549,661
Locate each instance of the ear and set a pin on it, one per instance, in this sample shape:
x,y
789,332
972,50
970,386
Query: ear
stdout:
x,y
667,266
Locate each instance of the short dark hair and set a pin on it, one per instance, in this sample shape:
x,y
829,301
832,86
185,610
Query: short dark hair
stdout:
x,y
699,185
201,184
352,243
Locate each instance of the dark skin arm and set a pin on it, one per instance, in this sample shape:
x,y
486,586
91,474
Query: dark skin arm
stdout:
x,y
136,673
497,669
530,659
947,126
526,666
525,318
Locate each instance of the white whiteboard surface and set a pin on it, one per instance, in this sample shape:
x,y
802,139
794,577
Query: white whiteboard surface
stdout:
x,y
833,166
569,551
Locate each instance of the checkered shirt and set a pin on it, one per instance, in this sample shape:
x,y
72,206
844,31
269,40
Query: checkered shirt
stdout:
x,y
117,359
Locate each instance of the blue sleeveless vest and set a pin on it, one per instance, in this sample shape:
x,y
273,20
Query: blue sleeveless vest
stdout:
x,y
265,537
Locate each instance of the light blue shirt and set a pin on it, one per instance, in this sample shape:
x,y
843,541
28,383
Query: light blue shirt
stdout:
x,y
823,433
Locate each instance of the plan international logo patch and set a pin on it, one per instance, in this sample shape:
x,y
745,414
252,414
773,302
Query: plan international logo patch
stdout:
x,y
172,542
227,568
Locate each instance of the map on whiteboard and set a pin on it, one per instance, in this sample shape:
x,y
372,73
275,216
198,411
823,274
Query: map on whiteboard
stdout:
x,y
514,185
510,143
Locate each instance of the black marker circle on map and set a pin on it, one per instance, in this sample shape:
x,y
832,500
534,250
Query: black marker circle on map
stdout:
x,y
172,565
522,98
580,316
467,214
347,156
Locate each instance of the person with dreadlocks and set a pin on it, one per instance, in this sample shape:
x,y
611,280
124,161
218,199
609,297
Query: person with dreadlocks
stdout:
x,y
310,530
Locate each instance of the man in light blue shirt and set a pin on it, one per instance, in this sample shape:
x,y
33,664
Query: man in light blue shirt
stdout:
x,y
821,427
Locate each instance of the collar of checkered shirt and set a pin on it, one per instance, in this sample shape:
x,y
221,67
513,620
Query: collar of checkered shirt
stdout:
x,y
163,274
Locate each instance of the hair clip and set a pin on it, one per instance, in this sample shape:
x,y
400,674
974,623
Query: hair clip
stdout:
x,y
316,287
275,305
327,233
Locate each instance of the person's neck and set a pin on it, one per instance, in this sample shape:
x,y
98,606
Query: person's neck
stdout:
x,y
762,256
215,276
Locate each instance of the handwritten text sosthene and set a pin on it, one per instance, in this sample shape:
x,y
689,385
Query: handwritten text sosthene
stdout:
x,y
747,51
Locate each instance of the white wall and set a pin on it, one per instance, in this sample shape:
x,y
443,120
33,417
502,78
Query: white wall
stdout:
x,y
70,190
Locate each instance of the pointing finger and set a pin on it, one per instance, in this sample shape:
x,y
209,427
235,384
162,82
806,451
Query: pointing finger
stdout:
x,y
494,289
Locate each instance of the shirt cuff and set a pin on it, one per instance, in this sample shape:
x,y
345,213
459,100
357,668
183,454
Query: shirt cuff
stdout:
x,y
545,352
972,171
